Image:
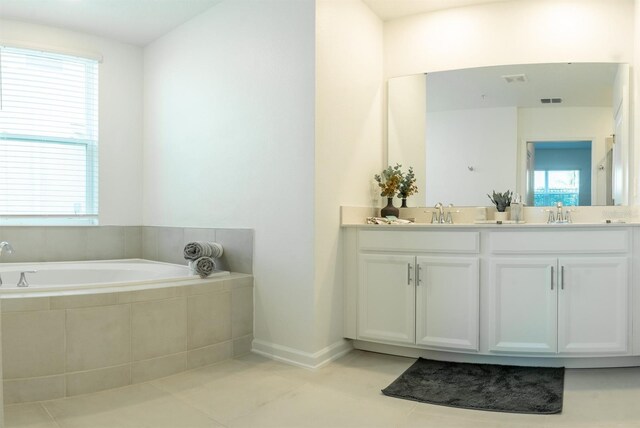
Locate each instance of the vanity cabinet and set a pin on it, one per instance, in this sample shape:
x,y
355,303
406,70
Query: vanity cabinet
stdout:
x,y
566,305
593,305
523,304
447,302
574,303
386,298
426,300
495,291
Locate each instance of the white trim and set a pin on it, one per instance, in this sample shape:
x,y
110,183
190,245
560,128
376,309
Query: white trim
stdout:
x,y
53,49
299,358
550,360
49,220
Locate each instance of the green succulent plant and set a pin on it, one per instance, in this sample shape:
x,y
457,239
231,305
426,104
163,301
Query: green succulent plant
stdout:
x,y
501,200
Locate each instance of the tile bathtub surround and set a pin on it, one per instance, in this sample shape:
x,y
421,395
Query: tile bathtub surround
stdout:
x,y
158,328
71,243
164,244
96,337
68,345
36,342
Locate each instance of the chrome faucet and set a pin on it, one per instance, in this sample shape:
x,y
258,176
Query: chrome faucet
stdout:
x,y
23,279
5,247
560,216
438,216
449,219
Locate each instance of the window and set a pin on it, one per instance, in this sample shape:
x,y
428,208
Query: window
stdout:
x,y
550,187
48,138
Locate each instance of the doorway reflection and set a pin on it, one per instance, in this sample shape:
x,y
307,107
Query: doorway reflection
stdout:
x,y
559,171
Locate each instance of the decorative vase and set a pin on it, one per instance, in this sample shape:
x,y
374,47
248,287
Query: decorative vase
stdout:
x,y
389,209
404,203
501,216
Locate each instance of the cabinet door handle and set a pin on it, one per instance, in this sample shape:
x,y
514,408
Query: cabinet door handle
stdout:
x,y
562,277
408,273
419,280
552,277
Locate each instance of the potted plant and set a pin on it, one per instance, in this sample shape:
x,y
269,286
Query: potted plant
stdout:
x,y
501,201
407,187
388,181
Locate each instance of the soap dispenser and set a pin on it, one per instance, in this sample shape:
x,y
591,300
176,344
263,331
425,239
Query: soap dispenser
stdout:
x,y
516,208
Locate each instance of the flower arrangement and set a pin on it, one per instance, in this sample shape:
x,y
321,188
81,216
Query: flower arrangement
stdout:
x,y
389,180
501,200
407,185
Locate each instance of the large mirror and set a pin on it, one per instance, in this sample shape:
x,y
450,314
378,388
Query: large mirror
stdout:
x,y
550,132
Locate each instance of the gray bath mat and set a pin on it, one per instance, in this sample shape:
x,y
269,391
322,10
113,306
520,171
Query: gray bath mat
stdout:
x,y
496,388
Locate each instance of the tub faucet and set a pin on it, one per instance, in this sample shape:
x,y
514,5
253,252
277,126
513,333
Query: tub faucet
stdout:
x,y
23,279
5,247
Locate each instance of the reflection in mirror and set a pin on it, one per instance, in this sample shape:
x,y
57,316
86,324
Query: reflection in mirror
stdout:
x,y
544,131
558,171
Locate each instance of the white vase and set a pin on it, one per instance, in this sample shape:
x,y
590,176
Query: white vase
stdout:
x,y
500,216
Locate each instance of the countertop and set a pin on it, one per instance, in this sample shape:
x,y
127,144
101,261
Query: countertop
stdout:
x,y
489,225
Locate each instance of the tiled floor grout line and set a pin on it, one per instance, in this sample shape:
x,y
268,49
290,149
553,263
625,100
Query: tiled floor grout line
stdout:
x,y
286,394
185,402
41,403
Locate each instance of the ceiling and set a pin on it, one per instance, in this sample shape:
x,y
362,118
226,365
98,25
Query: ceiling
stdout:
x,y
137,22
577,84
392,9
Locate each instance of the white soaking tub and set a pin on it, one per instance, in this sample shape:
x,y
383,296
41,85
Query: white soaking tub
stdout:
x,y
82,327
66,276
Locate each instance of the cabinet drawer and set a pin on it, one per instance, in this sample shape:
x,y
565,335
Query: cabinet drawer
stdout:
x,y
414,240
560,241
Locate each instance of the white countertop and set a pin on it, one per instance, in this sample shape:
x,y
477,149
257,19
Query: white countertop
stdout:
x,y
489,225
464,217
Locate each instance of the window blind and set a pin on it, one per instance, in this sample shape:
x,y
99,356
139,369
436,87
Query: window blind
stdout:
x,y
48,134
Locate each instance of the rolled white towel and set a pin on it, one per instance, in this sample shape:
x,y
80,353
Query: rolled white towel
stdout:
x,y
204,266
216,250
195,250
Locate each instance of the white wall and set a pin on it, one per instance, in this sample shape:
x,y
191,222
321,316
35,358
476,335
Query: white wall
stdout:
x,y
406,122
484,139
349,144
120,112
229,142
570,124
623,169
515,32
634,125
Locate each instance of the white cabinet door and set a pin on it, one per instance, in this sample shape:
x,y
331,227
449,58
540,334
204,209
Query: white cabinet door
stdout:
x,y
592,305
386,298
447,302
523,305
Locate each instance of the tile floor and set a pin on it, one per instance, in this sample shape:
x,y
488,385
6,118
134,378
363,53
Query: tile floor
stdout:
x,y
252,391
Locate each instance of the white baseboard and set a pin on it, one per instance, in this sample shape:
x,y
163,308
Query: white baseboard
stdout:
x,y
299,358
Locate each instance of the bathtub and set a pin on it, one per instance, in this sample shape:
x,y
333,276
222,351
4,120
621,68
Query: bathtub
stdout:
x,y
83,327
61,276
